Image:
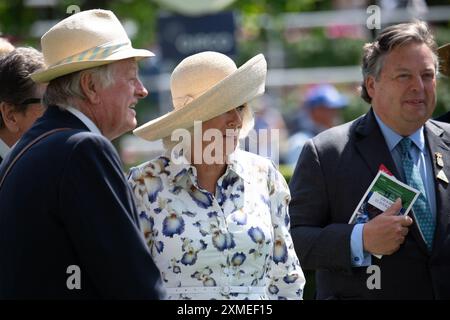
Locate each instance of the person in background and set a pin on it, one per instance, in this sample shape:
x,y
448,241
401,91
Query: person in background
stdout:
x,y
20,97
269,137
321,110
337,166
215,217
68,224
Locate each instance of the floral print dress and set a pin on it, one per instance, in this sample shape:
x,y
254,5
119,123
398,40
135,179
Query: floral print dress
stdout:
x,y
237,237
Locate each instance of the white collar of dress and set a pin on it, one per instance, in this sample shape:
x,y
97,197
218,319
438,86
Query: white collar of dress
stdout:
x,y
179,167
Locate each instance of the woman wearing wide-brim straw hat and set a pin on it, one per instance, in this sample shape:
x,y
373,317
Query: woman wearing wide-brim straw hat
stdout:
x,y
215,217
444,68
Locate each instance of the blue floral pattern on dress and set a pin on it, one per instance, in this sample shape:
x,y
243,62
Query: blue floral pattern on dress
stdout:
x,y
238,259
238,236
147,226
190,251
173,224
280,252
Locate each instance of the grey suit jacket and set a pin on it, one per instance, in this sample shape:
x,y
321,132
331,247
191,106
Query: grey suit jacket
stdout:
x,y
333,172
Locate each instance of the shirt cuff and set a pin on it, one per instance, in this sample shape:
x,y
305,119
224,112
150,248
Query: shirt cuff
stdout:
x,y
360,258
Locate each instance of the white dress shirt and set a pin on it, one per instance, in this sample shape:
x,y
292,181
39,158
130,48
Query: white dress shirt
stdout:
x,y
83,118
4,149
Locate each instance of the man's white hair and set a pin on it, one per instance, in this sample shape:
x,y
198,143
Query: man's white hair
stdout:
x,y
61,91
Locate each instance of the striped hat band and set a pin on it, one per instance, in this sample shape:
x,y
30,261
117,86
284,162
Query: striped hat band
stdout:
x,y
93,54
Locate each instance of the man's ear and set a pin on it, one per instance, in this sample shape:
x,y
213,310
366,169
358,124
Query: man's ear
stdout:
x,y
370,85
9,116
89,87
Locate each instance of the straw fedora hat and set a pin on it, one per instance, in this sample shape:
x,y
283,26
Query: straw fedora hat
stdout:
x,y
444,56
206,85
85,40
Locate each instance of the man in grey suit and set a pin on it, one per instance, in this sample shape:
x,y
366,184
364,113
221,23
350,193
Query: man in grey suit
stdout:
x,y
336,167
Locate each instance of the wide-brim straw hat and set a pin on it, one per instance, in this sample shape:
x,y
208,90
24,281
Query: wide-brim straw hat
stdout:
x,y
85,40
444,57
206,85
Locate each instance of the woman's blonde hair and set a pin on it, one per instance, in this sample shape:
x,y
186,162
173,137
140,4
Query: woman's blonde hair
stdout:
x,y
248,122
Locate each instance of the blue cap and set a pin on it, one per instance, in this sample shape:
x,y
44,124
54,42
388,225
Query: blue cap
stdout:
x,y
325,95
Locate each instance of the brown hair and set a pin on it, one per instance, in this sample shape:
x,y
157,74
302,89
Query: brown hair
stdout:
x,y
15,81
390,38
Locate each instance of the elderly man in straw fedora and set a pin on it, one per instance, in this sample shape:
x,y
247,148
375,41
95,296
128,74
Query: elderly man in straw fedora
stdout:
x,y
444,56
215,217
68,224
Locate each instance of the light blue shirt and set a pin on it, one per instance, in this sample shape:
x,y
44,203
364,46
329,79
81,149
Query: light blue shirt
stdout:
x,y
422,159
4,149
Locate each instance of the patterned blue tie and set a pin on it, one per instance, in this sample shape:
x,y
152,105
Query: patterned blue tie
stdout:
x,y
421,207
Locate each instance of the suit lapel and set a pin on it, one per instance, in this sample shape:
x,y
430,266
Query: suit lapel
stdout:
x,y
54,117
438,143
372,146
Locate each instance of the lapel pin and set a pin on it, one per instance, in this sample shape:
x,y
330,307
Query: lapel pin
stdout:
x,y
441,175
439,161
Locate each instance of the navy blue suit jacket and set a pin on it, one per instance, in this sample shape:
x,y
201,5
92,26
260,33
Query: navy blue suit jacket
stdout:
x,y
444,118
66,202
333,172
